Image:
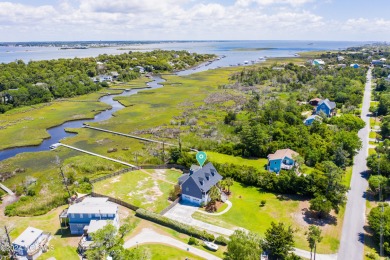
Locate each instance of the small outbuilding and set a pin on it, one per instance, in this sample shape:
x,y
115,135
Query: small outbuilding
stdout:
x,y
308,121
355,66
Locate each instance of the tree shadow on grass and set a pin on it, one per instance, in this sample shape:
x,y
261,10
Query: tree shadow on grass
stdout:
x,y
369,239
311,218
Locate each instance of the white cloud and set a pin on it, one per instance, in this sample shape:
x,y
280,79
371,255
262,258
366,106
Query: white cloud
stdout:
x,y
362,25
174,19
18,13
272,2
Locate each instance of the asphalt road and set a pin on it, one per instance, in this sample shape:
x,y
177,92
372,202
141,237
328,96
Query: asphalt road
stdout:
x,y
352,238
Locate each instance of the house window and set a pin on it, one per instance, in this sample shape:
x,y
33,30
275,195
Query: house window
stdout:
x,y
81,215
72,215
187,189
97,215
89,215
104,215
274,162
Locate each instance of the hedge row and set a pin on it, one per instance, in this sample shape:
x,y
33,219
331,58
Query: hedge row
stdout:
x,y
180,227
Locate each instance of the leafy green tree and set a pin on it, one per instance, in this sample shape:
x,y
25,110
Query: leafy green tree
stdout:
x,y
321,205
376,181
243,245
108,241
375,218
313,237
341,158
214,194
279,241
229,182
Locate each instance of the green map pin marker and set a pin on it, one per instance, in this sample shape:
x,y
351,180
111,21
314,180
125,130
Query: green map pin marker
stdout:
x,y
201,158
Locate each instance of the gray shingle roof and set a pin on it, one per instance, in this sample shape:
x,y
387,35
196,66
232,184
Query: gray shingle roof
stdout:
x,y
205,177
328,103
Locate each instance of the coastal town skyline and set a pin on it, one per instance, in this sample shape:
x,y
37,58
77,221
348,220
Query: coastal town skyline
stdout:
x,y
74,20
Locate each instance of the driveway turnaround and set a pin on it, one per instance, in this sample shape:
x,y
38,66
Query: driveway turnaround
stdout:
x,y
183,213
352,238
219,213
148,235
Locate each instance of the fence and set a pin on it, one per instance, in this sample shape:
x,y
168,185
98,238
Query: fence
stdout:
x,y
119,202
165,166
113,174
170,206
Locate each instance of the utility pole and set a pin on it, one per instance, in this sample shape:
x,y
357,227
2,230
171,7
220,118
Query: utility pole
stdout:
x,y
382,211
179,142
163,153
136,158
11,250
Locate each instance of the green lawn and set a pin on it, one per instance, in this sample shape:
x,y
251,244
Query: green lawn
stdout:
x,y
140,189
371,151
247,213
347,177
223,158
159,251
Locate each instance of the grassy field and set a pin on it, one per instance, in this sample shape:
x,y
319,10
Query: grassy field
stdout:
x,y
140,189
49,188
223,158
247,213
159,251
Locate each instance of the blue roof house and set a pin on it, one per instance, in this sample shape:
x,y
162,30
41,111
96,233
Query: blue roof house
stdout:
x,y
196,185
30,244
355,65
82,214
308,121
281,159
326,106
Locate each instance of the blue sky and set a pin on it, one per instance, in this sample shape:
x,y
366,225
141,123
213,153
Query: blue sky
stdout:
x,y
40,20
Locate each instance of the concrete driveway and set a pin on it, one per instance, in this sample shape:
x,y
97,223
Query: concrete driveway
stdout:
x,y
183,213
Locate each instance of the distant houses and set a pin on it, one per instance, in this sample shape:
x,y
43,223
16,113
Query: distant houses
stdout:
x,y
377,62
102,78
309,121
318,62
281,159
326,106
89,213
196,185
31,243
314,101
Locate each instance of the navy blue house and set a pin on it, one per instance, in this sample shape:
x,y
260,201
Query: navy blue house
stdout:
x,y
196,185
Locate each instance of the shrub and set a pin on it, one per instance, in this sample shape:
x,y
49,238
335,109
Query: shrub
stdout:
x,y
180,227
223,241
262,203
193,241
31,192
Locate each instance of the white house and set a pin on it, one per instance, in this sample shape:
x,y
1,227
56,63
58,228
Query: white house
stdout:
x,y
30,244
